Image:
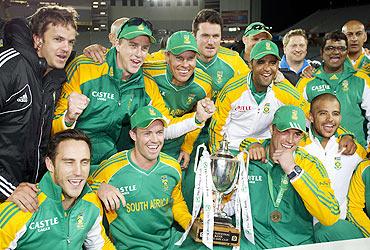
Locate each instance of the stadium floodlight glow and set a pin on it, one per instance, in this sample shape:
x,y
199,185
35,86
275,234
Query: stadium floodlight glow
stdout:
x,y
95,6
95,2
103,3
232,29
97,29
102,13
102,25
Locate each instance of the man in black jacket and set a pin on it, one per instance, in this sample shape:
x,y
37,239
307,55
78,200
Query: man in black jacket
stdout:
x,y
31,77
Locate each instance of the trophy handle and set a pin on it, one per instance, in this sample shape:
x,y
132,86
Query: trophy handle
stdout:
x,y
197,155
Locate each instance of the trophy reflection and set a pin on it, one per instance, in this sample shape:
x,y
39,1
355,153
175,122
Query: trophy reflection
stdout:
x,y
217,176
224,170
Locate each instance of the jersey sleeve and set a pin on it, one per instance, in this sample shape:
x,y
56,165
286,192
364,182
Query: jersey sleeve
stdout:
x,y
177,125
12,225
357,200
97,238
180,210
313,186
288,94
72,85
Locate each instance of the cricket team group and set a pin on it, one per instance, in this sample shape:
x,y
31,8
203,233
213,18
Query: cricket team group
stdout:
x,y
98,151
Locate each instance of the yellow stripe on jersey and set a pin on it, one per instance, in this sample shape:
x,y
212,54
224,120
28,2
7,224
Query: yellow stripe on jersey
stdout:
x,y
156,56
171,162
226,51
155,68
94,68
110,166
234,83
303,156
331,204
12,220
357,199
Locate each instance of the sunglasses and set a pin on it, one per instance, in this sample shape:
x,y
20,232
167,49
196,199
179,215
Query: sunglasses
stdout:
x,y
136,21
258,27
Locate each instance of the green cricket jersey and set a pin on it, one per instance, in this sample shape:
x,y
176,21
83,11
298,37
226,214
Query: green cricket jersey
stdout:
x,y
353,92
306,196
179,100
153,201
52,227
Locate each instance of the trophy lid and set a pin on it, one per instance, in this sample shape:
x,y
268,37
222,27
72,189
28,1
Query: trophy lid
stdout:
x,y
224,151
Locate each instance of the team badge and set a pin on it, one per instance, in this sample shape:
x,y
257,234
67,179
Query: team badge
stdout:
x,y
164,182
333,77
80,221
337,163
111,72
151,112
141,27
219,76
266,108
190,99
268,46
294,115
345,85
186,39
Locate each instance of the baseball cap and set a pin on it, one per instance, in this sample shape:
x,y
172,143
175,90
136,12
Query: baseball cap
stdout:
x,y
135,27
256,28
289,116
180,42
264,48
145,116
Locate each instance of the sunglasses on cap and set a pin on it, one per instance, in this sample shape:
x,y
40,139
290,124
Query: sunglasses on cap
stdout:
x,y
136,21
258,27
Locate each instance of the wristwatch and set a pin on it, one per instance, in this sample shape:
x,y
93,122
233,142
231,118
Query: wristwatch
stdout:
x,y
296,171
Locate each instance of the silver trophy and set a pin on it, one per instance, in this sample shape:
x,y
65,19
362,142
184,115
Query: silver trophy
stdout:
x,y
225,172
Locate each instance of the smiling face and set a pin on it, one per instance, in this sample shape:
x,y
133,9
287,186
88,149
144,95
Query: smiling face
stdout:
x,y
296,49
208,38
325,116
55,45
131,54
334,54
148,144
70,168
264,71
288,139
182,66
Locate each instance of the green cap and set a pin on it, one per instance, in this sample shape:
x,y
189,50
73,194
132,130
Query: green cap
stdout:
x,y
131,31
289,116
145,116
264,48
180,42
256,28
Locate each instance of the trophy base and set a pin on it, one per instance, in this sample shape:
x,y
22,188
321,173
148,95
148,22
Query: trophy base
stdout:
x,y
223,234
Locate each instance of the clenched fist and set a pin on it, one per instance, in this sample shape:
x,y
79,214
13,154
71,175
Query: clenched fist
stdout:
x,y
76,105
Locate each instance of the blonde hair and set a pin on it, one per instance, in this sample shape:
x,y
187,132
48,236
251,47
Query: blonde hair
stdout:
x,y
296,32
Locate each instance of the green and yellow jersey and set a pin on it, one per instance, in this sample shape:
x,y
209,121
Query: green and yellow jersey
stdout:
x,y
52,227
179,100
308,195
358,211
153,201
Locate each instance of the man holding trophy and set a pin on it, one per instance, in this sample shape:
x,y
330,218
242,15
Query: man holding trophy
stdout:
x,y
288,190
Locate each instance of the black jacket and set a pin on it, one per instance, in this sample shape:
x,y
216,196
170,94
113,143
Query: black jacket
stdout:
x,y
27,102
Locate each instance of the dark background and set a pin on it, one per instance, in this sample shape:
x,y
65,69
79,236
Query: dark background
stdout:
x,y
284,13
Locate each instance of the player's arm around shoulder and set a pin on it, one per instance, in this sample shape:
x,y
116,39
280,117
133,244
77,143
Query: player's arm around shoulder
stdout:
x,y
313,186
13,222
